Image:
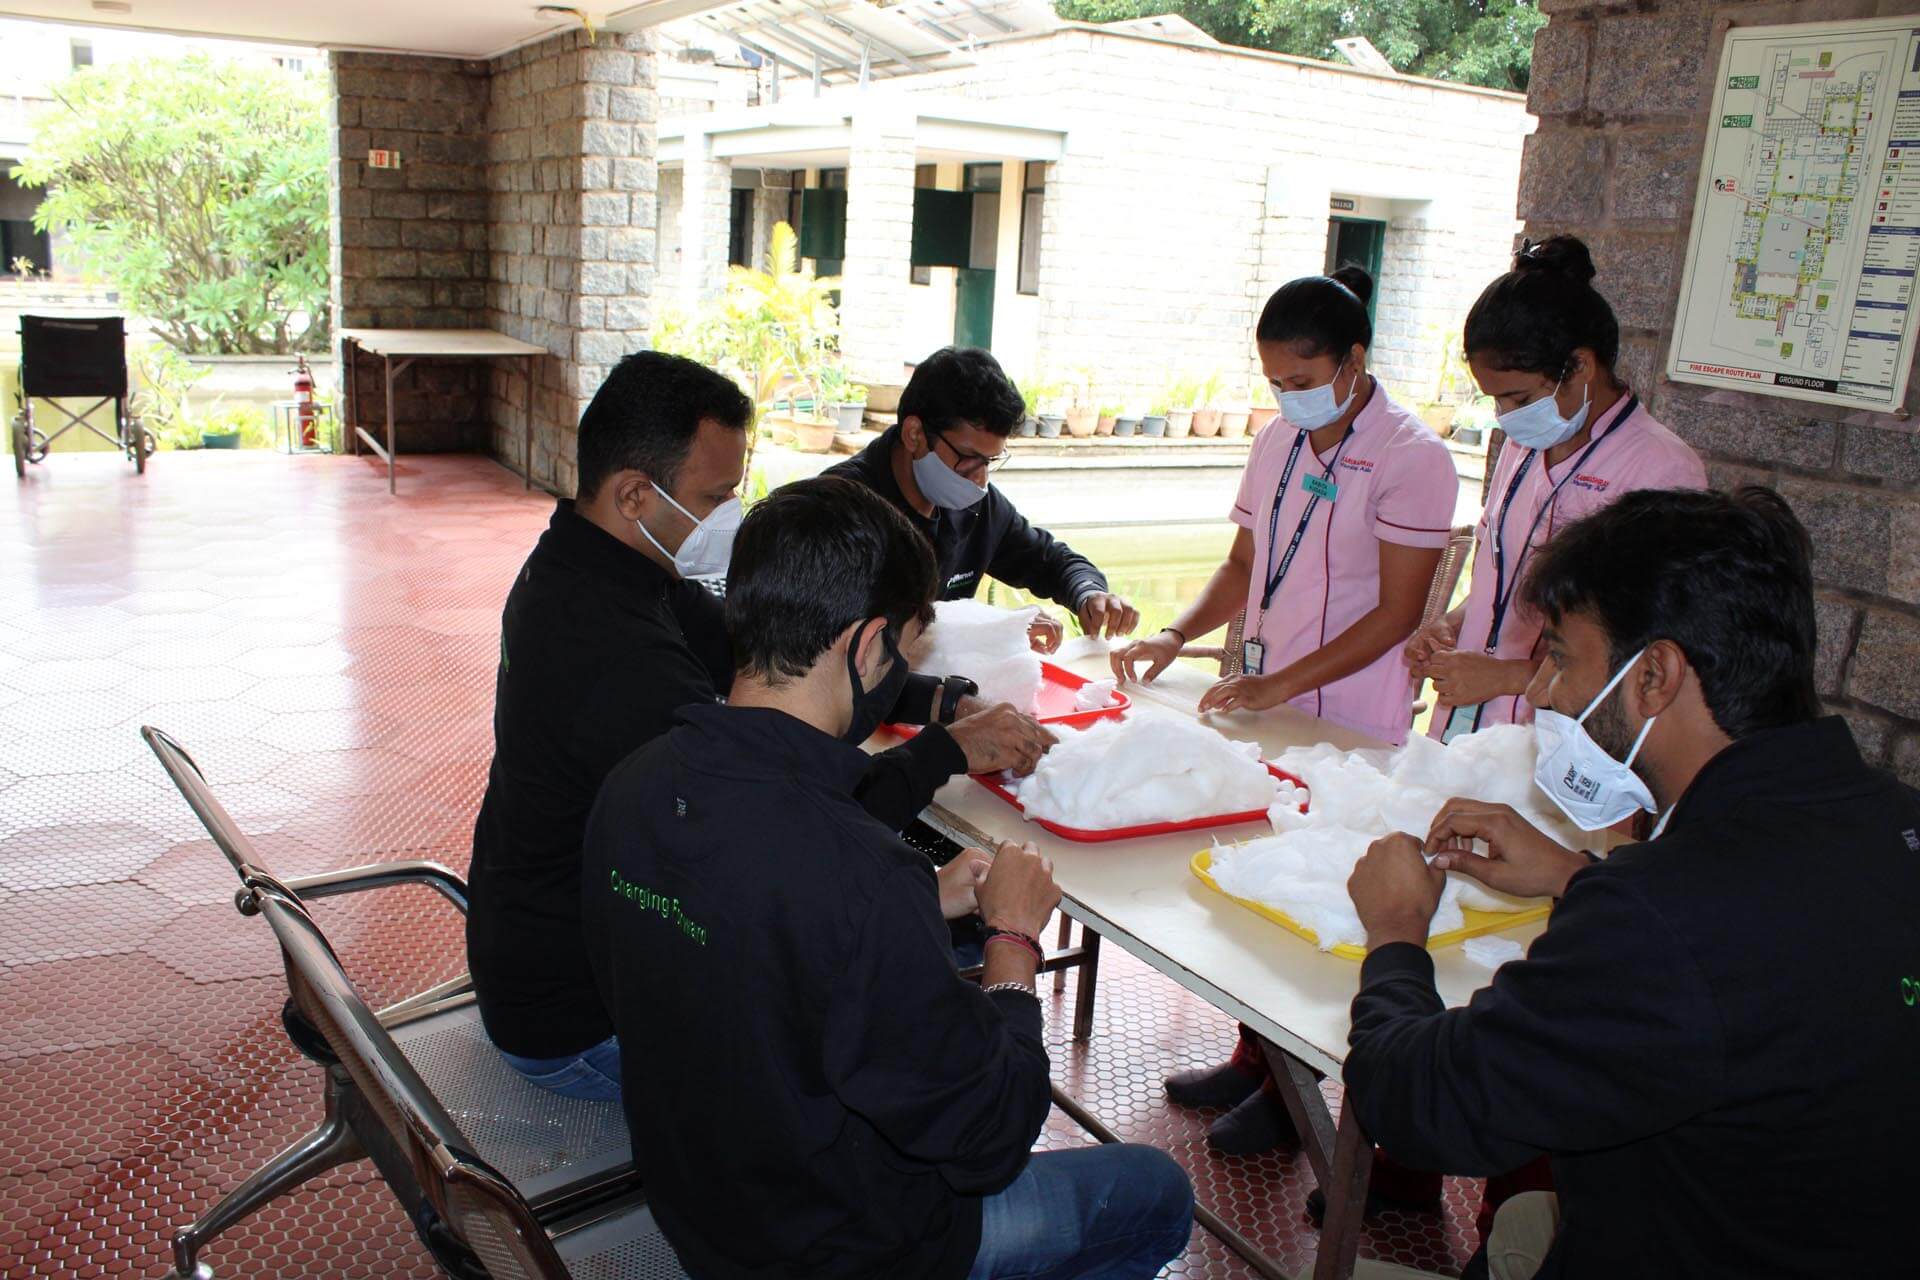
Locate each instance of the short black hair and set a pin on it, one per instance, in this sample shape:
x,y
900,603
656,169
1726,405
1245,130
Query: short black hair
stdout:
x,y
1320,315
958,386
1727,577
1532,319
813,558
645,415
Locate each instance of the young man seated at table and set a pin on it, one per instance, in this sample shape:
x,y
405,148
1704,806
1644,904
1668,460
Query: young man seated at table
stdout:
x,y
812,1088
603,639
954,419
1715,1037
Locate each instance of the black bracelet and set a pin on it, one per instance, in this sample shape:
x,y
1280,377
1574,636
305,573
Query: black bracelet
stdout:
x,y
1177,631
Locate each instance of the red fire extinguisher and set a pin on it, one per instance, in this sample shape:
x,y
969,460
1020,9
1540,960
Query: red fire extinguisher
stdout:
x,y
303,404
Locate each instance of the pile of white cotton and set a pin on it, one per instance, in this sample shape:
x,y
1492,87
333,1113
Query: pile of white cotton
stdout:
x,y
1146,769
1095,695
988,646
1359,796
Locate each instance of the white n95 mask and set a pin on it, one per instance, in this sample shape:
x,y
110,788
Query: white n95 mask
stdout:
x,y
1592,788
1315,407
1540,426
709,547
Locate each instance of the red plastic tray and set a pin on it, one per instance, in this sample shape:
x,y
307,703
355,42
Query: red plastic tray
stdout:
x,y
993,784
1055,705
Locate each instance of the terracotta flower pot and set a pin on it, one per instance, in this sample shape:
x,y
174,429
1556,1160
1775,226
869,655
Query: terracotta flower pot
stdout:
x,y
1179,423
814,437
1233,424
1081,423
1206,422
1104,426
1257,419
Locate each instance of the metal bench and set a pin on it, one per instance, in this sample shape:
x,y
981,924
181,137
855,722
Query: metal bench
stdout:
x,y
496,1173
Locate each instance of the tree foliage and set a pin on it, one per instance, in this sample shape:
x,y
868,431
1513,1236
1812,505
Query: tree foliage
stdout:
x,y
1483,42
198,189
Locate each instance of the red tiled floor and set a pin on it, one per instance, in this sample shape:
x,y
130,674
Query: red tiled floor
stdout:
x,y
326,652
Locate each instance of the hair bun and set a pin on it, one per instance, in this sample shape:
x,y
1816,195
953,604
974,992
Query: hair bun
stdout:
x,y
1561,255
1355,278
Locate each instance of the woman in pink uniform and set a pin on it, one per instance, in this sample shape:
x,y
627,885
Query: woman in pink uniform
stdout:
x,y
1343,511
1542,342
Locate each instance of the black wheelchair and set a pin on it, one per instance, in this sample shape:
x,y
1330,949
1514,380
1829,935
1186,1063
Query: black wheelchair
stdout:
x,y
77,358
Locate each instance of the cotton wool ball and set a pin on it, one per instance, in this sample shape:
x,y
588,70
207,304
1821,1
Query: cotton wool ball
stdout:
x,y
986,645
1146,769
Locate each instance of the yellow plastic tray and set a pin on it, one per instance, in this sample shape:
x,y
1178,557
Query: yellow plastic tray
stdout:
x,y
1478,922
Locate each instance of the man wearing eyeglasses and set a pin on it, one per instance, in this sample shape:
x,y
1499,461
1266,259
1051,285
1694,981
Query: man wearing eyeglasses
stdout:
x,y
955,416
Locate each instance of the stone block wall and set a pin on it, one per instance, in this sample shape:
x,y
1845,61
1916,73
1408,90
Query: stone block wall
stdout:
x,y
1622,92
410,244
571,188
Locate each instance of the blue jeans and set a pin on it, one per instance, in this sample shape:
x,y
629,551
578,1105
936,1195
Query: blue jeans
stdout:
x,y
1116,1212
593,1074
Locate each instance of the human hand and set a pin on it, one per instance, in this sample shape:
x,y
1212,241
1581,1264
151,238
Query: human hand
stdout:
x,y
1104,613
1001,738
1521,859
960,882
1463,678
1394,891
1019,892
1430,639
1045,633
1156,653
1245,693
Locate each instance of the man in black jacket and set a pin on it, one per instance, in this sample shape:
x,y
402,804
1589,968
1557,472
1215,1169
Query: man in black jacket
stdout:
x,y
954,419
603,639
812,1089
1717,1021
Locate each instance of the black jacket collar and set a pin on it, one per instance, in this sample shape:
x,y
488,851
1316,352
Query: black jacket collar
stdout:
x,y
761,743
578,542
1813,760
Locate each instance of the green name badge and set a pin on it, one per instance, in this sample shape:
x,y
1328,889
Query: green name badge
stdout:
x,y
1320,487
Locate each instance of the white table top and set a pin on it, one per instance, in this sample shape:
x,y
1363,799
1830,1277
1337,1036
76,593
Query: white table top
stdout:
x,y
1141,895
440,342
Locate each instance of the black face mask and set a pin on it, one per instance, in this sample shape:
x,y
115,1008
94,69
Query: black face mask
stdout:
x,y
870,706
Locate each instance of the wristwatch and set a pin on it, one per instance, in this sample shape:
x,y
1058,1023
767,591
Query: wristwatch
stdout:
x,y
952,689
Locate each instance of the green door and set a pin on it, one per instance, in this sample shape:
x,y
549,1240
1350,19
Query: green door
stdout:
x,y
973,308
1361,241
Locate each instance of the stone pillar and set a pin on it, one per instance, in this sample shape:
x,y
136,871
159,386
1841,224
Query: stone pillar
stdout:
x,y
876,273
706,194
571,171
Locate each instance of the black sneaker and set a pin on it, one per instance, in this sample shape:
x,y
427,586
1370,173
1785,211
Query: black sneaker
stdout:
x,y
1227,1085
1256,1126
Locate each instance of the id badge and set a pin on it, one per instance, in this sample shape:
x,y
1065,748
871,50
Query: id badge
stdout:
x,y
1320,487
1253,657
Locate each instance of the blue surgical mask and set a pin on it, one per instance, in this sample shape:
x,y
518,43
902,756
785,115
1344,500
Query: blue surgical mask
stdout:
x,y
1540,426
941,485
1315,407
1592,788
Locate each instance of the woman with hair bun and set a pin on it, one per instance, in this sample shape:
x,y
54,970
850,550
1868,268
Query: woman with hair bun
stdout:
x,y
1343,511
1542,342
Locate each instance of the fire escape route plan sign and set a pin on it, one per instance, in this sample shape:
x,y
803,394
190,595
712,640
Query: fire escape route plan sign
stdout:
x,y
1806,227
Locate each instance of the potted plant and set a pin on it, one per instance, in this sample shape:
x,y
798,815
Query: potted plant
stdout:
x,y
1083,417
1029,395
1047,407
1233,418
1127,422
1263,410
846,399
1179,400
1206,405
1109,417
1154,421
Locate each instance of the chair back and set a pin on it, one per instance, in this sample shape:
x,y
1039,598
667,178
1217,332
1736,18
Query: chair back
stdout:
x,y
213,815
73,356
482,1208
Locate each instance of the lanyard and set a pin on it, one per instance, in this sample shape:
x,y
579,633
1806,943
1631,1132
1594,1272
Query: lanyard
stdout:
x,y
1503,590
1276,576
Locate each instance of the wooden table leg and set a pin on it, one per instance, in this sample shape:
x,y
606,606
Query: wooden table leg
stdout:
x,y
1089,973
1065,937
1341,1157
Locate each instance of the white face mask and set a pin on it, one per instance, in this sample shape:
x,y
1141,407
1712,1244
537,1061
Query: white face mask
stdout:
x,y
705,551
1540,426
941,485
1592,788
1315,407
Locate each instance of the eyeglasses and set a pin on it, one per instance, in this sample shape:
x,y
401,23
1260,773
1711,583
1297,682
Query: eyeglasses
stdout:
x,y
966,461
